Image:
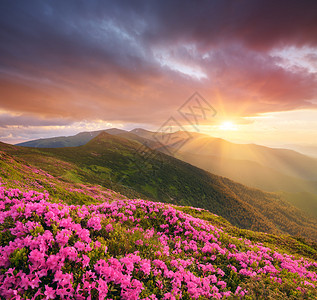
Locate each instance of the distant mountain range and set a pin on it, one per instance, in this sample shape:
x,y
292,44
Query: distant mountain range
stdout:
x,y
125,165
274,170
79,139
285,161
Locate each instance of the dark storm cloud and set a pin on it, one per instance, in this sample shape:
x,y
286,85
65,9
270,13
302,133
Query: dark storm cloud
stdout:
x,y
56,33
61,36
98,59
258,24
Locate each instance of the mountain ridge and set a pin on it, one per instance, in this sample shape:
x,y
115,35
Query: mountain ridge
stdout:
x,y
255,173
171,180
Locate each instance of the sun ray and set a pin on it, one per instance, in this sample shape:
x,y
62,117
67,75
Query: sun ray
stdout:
x,y
228,126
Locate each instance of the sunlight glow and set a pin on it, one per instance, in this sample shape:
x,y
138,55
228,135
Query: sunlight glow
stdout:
x,y
228,125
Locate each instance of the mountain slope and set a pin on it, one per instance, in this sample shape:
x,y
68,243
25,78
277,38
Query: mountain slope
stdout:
x,y
62,141
79,139
167,179
136,249
249,173
284,161
273,170
253,165
18,173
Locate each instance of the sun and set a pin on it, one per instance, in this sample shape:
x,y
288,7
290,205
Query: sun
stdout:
x,y
228,126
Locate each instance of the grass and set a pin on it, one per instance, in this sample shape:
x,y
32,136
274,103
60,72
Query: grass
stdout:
x,y
116,163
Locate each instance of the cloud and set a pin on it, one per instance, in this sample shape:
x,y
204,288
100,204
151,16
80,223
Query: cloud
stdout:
x,y
24,120
137,61
312,59
256,81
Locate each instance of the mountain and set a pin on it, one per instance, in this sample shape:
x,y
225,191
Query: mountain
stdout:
x,y
307,202
285,161
61,238
143,133
249,173
18,173
79,139
137,249
273,170
119,163
62,141
309,150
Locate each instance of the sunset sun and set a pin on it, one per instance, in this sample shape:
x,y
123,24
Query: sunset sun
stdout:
x,y
228,126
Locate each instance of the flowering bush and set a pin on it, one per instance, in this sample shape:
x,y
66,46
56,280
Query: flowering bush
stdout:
x,y
134,249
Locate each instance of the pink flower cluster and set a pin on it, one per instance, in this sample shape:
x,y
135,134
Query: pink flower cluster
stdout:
x,y
53,250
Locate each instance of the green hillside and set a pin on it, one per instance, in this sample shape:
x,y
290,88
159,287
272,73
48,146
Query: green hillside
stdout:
x,y
117,248
116,162
256,166
307,202
249,173
20,174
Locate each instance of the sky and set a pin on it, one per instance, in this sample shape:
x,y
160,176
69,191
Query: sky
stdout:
x,y
71,66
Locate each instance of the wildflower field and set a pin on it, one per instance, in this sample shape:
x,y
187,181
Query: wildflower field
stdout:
x,y
137,249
